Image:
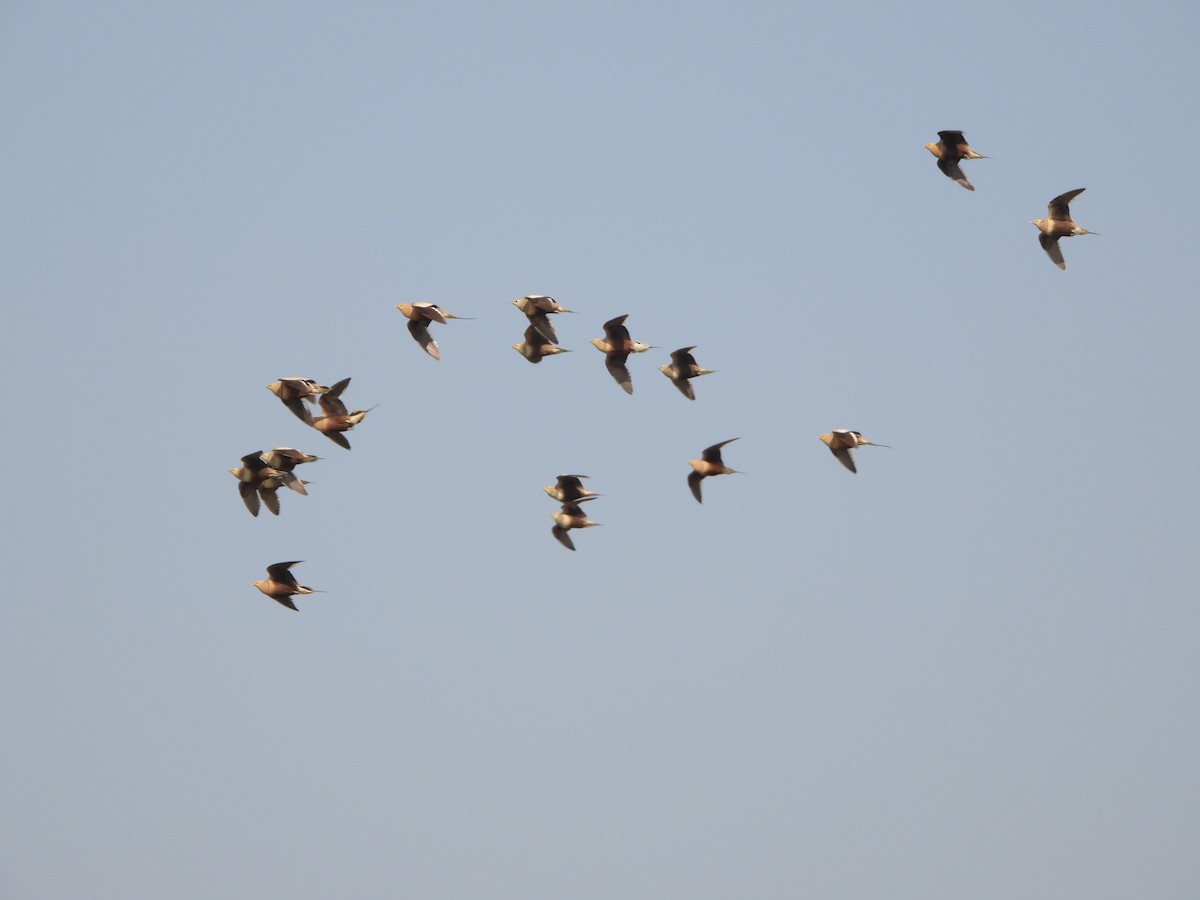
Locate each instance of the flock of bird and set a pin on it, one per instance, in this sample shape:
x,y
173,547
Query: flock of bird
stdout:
x,y
952,148
261,474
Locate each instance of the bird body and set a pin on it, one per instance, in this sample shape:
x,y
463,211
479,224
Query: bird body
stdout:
x,y
536,347
336,418
294,391
682,368
280,584
419,316
537,308
569,489
841,441
1058,224
950,149
707,465
570,517
259,481
616,345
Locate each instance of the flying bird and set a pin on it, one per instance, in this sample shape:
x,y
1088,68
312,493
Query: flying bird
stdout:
x,y
1058,224
949,151
708,464
294,391
336,419
841,441
258,480
419,316
570,517
616,346
280,584
537,307
535,347
683,367
287,458
569,489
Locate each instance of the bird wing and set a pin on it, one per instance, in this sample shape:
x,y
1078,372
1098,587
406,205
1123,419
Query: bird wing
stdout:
x,y
1053,250
278,572
1060,206
431,311
694,479
615,331
951,169
295,484
249,492
682,358
540,322
615,363
560,535
419,329
713,454
844,457
330,401
270,499
338,438
286,601
299,410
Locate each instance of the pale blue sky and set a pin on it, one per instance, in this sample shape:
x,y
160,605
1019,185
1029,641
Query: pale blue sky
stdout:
x,y
968,671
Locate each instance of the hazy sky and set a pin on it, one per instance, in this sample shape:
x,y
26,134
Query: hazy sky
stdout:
x,y
969,671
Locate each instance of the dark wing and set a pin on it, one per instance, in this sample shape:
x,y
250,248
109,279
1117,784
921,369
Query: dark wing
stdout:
x,y
278,572
270,499
950,169
844,457
296,405
249,492
254,462
1053,250
685,387
338,438
1060,206
286,601
331,405
952,138
694,480
713,454
615,363
560,535
419,329
572,508
615,331
682,358
540,322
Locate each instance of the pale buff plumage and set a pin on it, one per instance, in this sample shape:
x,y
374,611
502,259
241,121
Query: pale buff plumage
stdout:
x,y
616,345
682,368
535,347
709,464
336,419
280,584
537,308
419,316
294,391
570,517
569,489
1058,224
950,150
841,441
